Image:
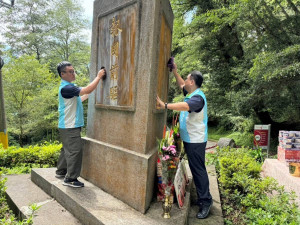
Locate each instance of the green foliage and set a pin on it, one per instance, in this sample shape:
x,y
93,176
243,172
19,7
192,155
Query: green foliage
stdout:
x,y
248,52
233,170
215,133
67,36
211,158
31,101
246,197
49,31
241,138
32,156
27,27
16,160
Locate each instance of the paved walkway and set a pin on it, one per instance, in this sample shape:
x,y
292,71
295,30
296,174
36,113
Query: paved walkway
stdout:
x,y
215,217
211,146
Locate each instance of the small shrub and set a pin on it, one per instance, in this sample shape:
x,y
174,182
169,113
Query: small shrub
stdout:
x,y
38,155
246,197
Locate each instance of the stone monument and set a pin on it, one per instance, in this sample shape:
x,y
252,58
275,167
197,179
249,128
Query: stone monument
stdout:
x,y
132,40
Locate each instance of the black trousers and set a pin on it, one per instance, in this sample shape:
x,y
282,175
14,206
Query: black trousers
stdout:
x,y
196,156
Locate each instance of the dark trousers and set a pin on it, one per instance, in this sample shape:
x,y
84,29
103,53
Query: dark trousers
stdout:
x,y
70,157
196,156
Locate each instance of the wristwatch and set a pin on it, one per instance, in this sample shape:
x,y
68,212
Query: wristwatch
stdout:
x,y
166,105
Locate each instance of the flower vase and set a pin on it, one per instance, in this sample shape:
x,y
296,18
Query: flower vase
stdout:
x,y
167,206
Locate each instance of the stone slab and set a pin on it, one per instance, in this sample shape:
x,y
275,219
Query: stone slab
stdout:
x,y
280,171
91,205
216,216
114,170
21,192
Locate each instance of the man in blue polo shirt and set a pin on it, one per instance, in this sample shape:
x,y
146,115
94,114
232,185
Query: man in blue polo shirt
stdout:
x,y
71,120
193,132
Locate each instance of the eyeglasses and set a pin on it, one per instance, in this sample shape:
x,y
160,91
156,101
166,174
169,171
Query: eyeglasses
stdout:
x,y
70,71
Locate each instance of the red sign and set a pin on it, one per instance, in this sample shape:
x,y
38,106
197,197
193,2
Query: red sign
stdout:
x,y
261,136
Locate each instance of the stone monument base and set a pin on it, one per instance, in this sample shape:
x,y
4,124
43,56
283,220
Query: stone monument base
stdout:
x,y
91,205
126,175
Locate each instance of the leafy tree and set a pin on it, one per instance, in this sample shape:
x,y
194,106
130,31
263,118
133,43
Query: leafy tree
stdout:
x,y
29,97
53,30
249,53
67,36
27,27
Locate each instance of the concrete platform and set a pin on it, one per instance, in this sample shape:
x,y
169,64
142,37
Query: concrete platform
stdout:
x,y
215,217
280,171
91,205
21,193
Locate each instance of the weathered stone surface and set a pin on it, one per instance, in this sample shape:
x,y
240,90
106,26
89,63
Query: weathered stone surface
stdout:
x,y
21,192
125,174
132,39
224,142
93,206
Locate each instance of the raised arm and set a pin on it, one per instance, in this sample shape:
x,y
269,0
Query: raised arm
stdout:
x,y
179,80
92,86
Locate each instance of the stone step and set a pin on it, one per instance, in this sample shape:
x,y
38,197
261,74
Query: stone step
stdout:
x,y
92,206
215,216
21,193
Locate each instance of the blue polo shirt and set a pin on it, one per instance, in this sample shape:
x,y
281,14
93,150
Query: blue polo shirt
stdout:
x,y
70,107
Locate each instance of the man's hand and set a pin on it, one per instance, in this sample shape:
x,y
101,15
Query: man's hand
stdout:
x,y
160,104
93,85
101,73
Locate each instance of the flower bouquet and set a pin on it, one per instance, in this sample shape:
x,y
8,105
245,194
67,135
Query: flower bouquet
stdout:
x,y
168,159
176,137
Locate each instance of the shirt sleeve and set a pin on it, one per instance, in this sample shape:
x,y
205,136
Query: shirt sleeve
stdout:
x,y
196,103
70,91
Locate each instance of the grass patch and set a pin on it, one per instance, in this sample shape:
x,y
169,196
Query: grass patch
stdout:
x,y
215,133
241,139
246,197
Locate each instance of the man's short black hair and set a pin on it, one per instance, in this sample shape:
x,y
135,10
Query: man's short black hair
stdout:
x,y
61,66
197,77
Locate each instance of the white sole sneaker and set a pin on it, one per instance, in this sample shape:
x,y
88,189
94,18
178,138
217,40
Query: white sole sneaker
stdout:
x,y
72,184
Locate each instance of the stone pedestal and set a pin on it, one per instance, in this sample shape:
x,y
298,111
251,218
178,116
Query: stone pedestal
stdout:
x,y
132,40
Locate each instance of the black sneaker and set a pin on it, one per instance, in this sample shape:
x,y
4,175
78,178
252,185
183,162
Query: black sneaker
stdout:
x,y
60,174
73,183
204,211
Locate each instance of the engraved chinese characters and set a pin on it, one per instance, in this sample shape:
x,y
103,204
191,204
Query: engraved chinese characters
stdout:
x,y
114,31
116,51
